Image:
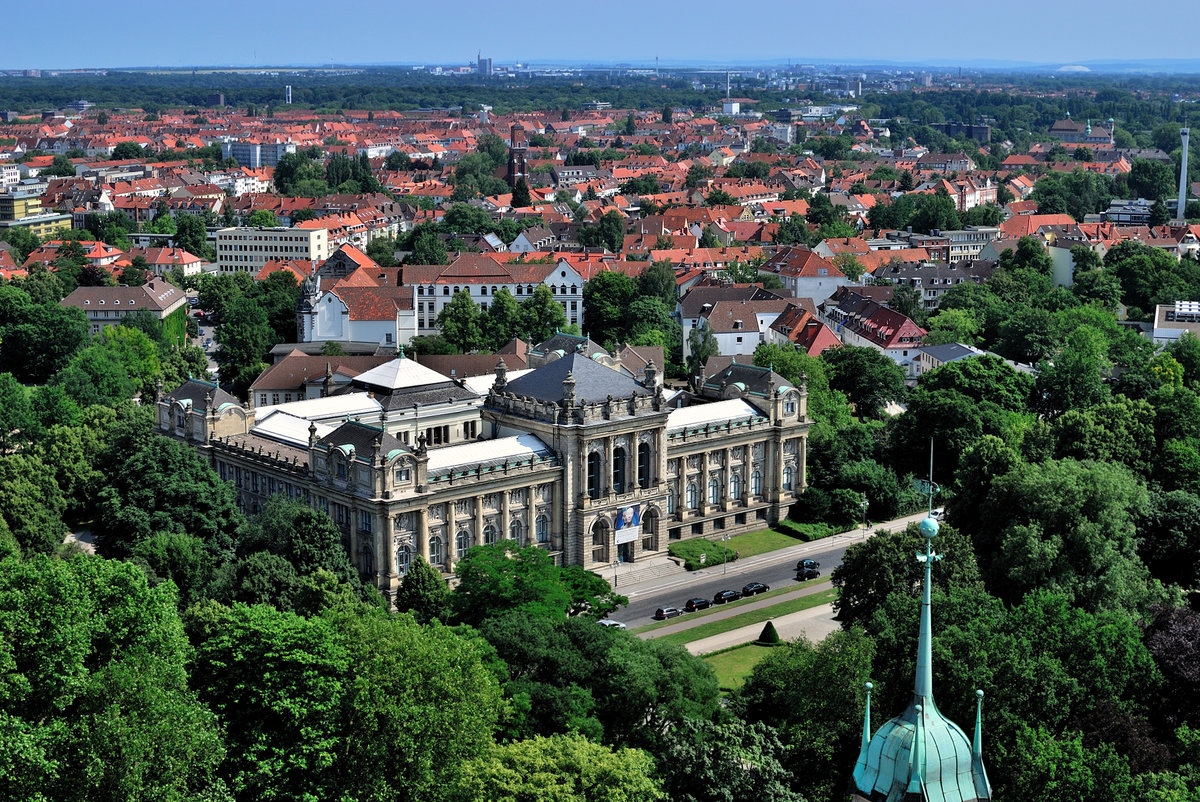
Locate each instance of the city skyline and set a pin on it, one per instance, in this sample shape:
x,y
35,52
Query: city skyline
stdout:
x,y
520,31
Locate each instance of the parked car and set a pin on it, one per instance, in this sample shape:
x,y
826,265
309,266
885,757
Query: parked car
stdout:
x,y
726,596
692,605
608,622
755,588
805,565
663,613
804,574
938,513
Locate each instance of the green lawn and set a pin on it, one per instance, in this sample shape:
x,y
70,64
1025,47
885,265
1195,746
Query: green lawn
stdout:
x,y
760,542
734,665
751,617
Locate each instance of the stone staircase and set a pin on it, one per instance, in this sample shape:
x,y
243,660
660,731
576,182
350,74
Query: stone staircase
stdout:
x,y
642,571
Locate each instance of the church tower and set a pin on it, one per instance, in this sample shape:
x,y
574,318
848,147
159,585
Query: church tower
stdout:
x,y
921,755
516,154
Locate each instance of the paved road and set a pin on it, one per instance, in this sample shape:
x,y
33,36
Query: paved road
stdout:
x,y
777,569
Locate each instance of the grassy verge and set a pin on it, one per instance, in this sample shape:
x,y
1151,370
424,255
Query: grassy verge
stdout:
x,y
732,666
750,617
716,608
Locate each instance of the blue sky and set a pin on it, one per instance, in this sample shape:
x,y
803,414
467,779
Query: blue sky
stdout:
x,y
121,33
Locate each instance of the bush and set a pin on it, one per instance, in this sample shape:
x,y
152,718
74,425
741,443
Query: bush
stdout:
x,y
807,531
768,636
690,550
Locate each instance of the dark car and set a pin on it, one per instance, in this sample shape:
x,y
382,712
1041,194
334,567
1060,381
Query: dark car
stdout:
x,y
663,613
755,588
726,596
692,605
805,565
804,574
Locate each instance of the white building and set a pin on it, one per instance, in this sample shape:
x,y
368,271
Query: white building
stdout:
x,y
246,250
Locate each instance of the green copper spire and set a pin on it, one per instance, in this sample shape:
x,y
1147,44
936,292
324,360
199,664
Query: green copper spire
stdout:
x,y
861,765
921,754
923,687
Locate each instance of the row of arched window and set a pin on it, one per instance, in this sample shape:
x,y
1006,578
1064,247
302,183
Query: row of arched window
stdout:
x,y
692,491
595,465
483,290
463,541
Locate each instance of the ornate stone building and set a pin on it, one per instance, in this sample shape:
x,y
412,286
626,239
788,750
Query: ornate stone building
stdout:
x,y
573,457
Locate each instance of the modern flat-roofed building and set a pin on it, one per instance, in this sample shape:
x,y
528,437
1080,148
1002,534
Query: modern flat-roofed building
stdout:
x,y
247,250
254,154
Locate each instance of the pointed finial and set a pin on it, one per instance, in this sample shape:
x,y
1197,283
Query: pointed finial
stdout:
x,y
861,764
977,742
401,353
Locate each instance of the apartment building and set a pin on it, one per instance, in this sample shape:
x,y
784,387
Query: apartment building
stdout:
x,y
247,250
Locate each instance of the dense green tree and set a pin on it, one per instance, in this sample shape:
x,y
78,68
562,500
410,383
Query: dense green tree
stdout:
x,y
191,236
607,298
427,249
502,321
697,174
126,150
96,700
799,368
154,484
244,338
31,503
559,768
16,414
713,762
805,691
543,315
37,339
1151,179
702,344
423,592
1186,351
1067,526
658,281
263,218
866,376
608,232
1075,380
520,195
875,569
936,211
501,577
1118,430
821,210
459,322
96,376
383,251
719,197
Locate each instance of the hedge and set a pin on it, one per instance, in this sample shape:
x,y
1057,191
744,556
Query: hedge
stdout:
x,y
690,550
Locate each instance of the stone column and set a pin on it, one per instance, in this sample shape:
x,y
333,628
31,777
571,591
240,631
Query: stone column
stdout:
x,y
504,513
421,530
478,502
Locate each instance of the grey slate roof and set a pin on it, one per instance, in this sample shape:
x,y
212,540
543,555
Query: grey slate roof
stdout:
x,y
593,382
568,343
361,438
756,380
196,392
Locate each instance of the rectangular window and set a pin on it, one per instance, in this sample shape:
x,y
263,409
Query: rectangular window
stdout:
x,y
364,521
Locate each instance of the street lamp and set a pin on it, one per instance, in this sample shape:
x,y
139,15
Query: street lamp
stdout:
x,y
615,563
864,504
725,549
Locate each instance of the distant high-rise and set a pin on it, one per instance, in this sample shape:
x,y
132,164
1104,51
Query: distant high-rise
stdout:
x,y
483,66
1181,209
287,94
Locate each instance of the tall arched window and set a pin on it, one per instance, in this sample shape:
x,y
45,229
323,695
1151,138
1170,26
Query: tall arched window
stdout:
x,y
403,558
672,502
462,542
644,465
618,481
692,499
437,554
735,486
593,475
600,541
516,533
787,478
756,484
714,491
489,535
543,529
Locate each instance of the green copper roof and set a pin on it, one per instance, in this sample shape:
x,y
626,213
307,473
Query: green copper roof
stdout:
x,y
920,751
